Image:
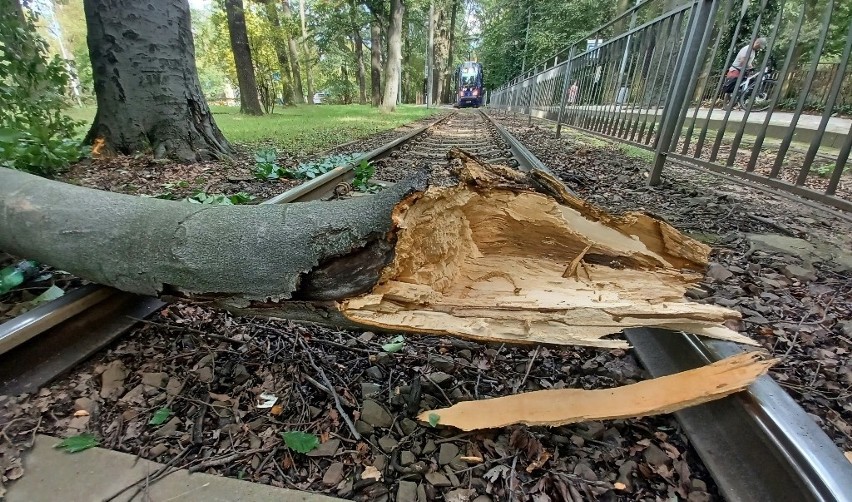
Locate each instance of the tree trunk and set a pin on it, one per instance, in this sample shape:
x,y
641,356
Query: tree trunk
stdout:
x,y
294,57
450,90
249,102
375,60
503,263
393,66
306,50
146,82
358,45
439,55
280,45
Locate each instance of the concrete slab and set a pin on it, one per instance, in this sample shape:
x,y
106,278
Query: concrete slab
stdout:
x,y
97,474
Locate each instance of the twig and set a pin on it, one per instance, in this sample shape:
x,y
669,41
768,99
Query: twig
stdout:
x,y
215,462
333,392
189,329
157,476
512,479
437,387
527,373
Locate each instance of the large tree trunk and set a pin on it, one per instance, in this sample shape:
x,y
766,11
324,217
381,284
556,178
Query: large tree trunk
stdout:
x,y
249,102
375,59
280,44
146,83
393,65
439,55
294,57
306,50
358,45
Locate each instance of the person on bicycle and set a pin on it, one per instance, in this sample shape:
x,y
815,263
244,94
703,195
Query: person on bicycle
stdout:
x,y
743,61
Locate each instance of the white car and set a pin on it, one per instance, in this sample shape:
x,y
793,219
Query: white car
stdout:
x,y
320,97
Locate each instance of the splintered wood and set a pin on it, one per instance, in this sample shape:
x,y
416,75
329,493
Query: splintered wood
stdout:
x,y
489,261
566,406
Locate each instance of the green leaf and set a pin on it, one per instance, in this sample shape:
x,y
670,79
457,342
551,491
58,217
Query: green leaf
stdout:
x,y
52,293
395,345
160,416
301,442
433,419
78,443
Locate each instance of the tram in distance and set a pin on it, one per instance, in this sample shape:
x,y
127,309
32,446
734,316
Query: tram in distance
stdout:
x,y
469,84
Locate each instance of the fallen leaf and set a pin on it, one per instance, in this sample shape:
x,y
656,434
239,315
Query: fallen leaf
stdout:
x,y
619,486
433,419
650,397
81,413
160,416
77,443
371,472
301,442
395,345
266,400
472,460
277,410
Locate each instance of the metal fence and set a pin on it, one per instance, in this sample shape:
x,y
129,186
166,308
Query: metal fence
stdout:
x,y
655,77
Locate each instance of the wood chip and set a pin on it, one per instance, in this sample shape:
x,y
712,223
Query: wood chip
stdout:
x,y
650,397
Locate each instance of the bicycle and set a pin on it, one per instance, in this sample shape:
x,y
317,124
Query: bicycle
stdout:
x,y
762,91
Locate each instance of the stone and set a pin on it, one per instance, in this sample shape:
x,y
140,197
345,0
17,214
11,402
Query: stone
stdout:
x,y
112,380
408,425
439,378
442,362
699,497
421,493
583,470
374,414
84,404
387,443
625,474
136,395
447,453
796,272
154,379
333,475
363,428
697,293
429,447
367,336
407,491
718,272
846,327
375,373
591,430
327,449
466,354
174,386
655,456
483,498
205,374
370,389
157,450
168,429
459,495
384,359
438,480
698,485
380,462
406,458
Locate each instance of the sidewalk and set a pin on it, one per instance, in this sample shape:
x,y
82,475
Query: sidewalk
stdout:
x,y
97,474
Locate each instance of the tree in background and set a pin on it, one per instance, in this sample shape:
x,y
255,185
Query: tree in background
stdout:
x,y
148,94
249,102
393,65
376,18
290,26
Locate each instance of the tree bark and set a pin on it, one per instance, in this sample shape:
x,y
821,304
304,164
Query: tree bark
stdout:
x,y
439,55
146,82
376,59
294,56
449,87
307,54
393,65
249,102
280,44
358,45
502,263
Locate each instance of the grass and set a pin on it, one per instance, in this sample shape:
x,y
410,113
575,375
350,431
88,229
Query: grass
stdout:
x,y
637,153
300,130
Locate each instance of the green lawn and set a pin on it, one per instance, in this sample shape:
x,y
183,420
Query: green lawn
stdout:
x,y
303,129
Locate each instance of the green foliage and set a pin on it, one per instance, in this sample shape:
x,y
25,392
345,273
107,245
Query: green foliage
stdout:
x,y
434,418
35,135
395,344
77,443
266,165
301,442
160,416
311,170
220,199
363,173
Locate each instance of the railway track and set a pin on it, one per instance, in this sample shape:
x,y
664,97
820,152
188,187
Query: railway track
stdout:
x,y
758,444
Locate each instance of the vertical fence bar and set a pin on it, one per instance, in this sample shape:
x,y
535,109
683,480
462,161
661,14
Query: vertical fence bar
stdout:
x,y
661,98
565,87
840,165
698,31
650,86
829,109
800,106
533,85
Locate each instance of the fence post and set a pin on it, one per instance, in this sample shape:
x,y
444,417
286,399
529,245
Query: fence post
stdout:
x,y
702,23
565,87
533,85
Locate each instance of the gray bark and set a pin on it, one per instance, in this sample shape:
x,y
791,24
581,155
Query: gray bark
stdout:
x,y
240,256
307,53
249,102
393,65
358,45
449,92
376,59
146,82
294,57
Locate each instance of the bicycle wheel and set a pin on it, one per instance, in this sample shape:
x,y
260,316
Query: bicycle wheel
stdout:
x,y
762,99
